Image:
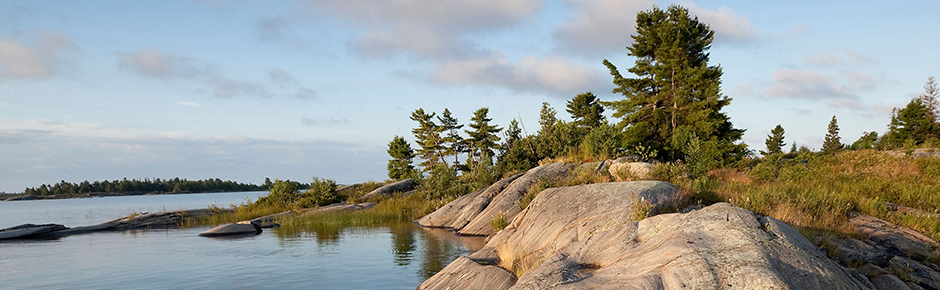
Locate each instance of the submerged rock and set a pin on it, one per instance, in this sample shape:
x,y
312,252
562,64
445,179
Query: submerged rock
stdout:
x,y
242,228
29,230
583,237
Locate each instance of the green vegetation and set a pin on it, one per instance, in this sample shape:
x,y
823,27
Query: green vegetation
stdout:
x,y
402,156
136,186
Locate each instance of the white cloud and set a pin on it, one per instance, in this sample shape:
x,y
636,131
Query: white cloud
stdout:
x,y
191,104
313,122
280,76
43,60
842,57
152,62
728,25
224,87
600,26
550,75
806,84
426,28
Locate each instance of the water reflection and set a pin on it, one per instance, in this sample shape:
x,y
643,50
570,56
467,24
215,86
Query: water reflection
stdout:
x,y
432,249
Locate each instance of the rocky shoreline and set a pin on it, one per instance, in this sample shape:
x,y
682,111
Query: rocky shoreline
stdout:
x,y
590,236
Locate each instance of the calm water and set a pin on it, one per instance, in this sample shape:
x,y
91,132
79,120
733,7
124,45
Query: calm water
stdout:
x,y
393,256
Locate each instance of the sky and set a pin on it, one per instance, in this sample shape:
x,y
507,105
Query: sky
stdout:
x,y
244,90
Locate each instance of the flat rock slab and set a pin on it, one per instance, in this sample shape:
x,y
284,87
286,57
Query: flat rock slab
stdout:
x,y
459,212
243,228
465,272
28,230
896,240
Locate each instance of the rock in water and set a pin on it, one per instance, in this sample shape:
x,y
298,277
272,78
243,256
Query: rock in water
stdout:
x,y
29,230
582,237
464,271
243,228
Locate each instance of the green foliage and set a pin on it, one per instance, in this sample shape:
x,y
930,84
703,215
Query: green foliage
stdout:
x,y
482,174
137,186
499,221
285,194
702,156
586,111
675,88
484,136
774,141
833,142
402,155
428,137
868,140
603,141
533,191
441,182
454,144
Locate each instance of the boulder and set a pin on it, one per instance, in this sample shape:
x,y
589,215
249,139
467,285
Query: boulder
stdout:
x,y
457,213
29,230
242,228
464,273
391,188
926,152
926,277
881,279
508,200
583,237
630,170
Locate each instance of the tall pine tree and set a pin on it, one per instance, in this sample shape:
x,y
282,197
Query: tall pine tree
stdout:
x,y
452,141
677,94
428,136
586,111
484,136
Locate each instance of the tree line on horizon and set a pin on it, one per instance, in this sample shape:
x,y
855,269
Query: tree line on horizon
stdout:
x,y
124,186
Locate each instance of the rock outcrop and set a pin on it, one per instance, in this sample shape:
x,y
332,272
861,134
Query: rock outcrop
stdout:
x,y
583,237
391,188
459,212
507,202
243,228
627,171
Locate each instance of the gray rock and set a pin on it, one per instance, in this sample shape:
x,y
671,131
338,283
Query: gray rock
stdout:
x,y
508,200
895,240
243,228
926,152
464,272
924,276
881,278
391,188
29,230
582,237
457,213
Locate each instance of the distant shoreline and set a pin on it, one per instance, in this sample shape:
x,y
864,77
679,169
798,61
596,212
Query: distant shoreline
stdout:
x,y
23,196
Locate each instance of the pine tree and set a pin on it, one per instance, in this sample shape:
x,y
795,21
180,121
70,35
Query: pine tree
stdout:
x,y
930,98
428,136
586,111
483,137
914,123
402,155
677,94
454,144
774,141
547,119
833,142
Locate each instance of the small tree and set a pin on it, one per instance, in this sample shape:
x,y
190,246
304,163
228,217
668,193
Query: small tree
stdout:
x,y
586,111
930,98
774,141
402,155
833,142
868,140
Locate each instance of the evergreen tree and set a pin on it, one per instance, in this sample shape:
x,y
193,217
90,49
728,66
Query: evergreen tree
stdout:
x,y
866,141
483,137
930,98
402,155
453,143
586,111
774,141
547,119
677,94
428,136
833,142
914,123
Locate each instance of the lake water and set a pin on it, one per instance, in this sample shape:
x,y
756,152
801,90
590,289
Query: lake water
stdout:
x,y
391,256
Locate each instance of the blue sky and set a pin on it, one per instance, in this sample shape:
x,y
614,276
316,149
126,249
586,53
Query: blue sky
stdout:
x,y
243,90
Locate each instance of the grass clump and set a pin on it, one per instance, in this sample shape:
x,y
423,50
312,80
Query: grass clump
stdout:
x,y
499,222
